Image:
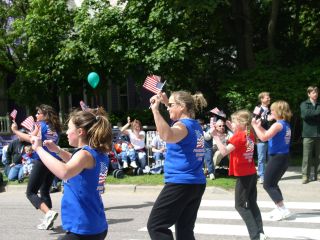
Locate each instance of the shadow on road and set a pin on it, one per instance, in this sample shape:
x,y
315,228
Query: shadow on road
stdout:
x,y
147,204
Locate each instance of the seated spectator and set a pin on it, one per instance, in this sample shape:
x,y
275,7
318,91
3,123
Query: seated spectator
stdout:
x,y
28,159
137,139
14,158
218,158
158,149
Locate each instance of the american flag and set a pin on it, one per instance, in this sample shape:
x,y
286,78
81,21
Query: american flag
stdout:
x,y
13,114
28,123
257,110
215,110
218,112
103,172
50,132
83,106
153,84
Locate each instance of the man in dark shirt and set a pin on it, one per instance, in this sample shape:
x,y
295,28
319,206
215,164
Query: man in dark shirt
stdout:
x,y
310,114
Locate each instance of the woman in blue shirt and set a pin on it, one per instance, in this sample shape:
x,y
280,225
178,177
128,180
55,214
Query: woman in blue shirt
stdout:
x,y
84,173
48,127
185,182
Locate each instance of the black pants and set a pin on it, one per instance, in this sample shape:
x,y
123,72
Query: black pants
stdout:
x,y
40,179
176,204
246,205
276,167
73,236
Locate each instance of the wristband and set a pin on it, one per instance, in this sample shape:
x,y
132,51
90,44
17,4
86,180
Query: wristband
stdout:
x,y
59,151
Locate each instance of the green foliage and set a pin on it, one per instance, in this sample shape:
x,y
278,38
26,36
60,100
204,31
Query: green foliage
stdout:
x,y
48,49
289,84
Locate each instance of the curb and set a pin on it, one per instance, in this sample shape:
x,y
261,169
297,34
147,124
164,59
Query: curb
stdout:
x,y
117,187
292,176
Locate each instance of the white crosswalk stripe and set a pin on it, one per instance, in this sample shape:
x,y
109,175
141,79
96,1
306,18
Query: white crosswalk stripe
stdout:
x,y
303,224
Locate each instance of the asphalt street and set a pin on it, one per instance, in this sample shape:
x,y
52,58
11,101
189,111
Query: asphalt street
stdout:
x,y
128,207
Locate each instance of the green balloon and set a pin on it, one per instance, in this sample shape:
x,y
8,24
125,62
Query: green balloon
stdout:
x,y
93,79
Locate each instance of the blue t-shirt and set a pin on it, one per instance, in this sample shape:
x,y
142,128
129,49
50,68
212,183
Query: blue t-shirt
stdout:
x,y
184,160
82,209
48,134
280,143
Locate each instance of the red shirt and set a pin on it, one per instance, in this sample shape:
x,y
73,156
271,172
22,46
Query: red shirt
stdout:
x,y
241,158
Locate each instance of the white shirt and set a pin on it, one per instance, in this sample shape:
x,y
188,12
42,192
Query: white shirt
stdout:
x,y
135,141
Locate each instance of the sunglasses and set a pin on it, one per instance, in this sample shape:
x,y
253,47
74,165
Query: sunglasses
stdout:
x,y
221,125
171,104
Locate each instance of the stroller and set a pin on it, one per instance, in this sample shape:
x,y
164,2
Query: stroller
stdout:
x,y
114,165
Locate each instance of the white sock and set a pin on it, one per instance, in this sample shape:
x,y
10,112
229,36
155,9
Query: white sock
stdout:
x,y
282,207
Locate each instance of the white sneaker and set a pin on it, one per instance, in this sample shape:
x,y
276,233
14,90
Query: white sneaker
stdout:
x,y
273,213
133,164
42,226
48,220
146,169
262,236
280,214
211,176
285,213
125,165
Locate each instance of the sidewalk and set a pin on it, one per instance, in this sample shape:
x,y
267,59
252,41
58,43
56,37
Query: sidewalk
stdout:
x,y
290,184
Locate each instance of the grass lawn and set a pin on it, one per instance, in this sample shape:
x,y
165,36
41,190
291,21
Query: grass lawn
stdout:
x,y
223,182
149,180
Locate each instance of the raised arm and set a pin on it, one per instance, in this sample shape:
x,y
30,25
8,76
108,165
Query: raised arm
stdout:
x,y
169,134
64,155
262,134
23,136
80,161
125,127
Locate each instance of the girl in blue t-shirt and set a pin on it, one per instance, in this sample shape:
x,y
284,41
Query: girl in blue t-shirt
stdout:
x,y
84,173
278,137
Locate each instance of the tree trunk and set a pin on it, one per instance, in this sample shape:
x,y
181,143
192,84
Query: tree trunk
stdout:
x,y
272,27
243,34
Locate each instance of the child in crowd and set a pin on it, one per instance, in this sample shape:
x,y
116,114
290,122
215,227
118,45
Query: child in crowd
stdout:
x,y
278,137
28,160
241,164
127,151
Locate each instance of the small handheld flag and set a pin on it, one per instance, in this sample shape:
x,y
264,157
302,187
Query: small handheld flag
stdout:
x,y
153,84
83,106
13,114
218,112
28,123
257,111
